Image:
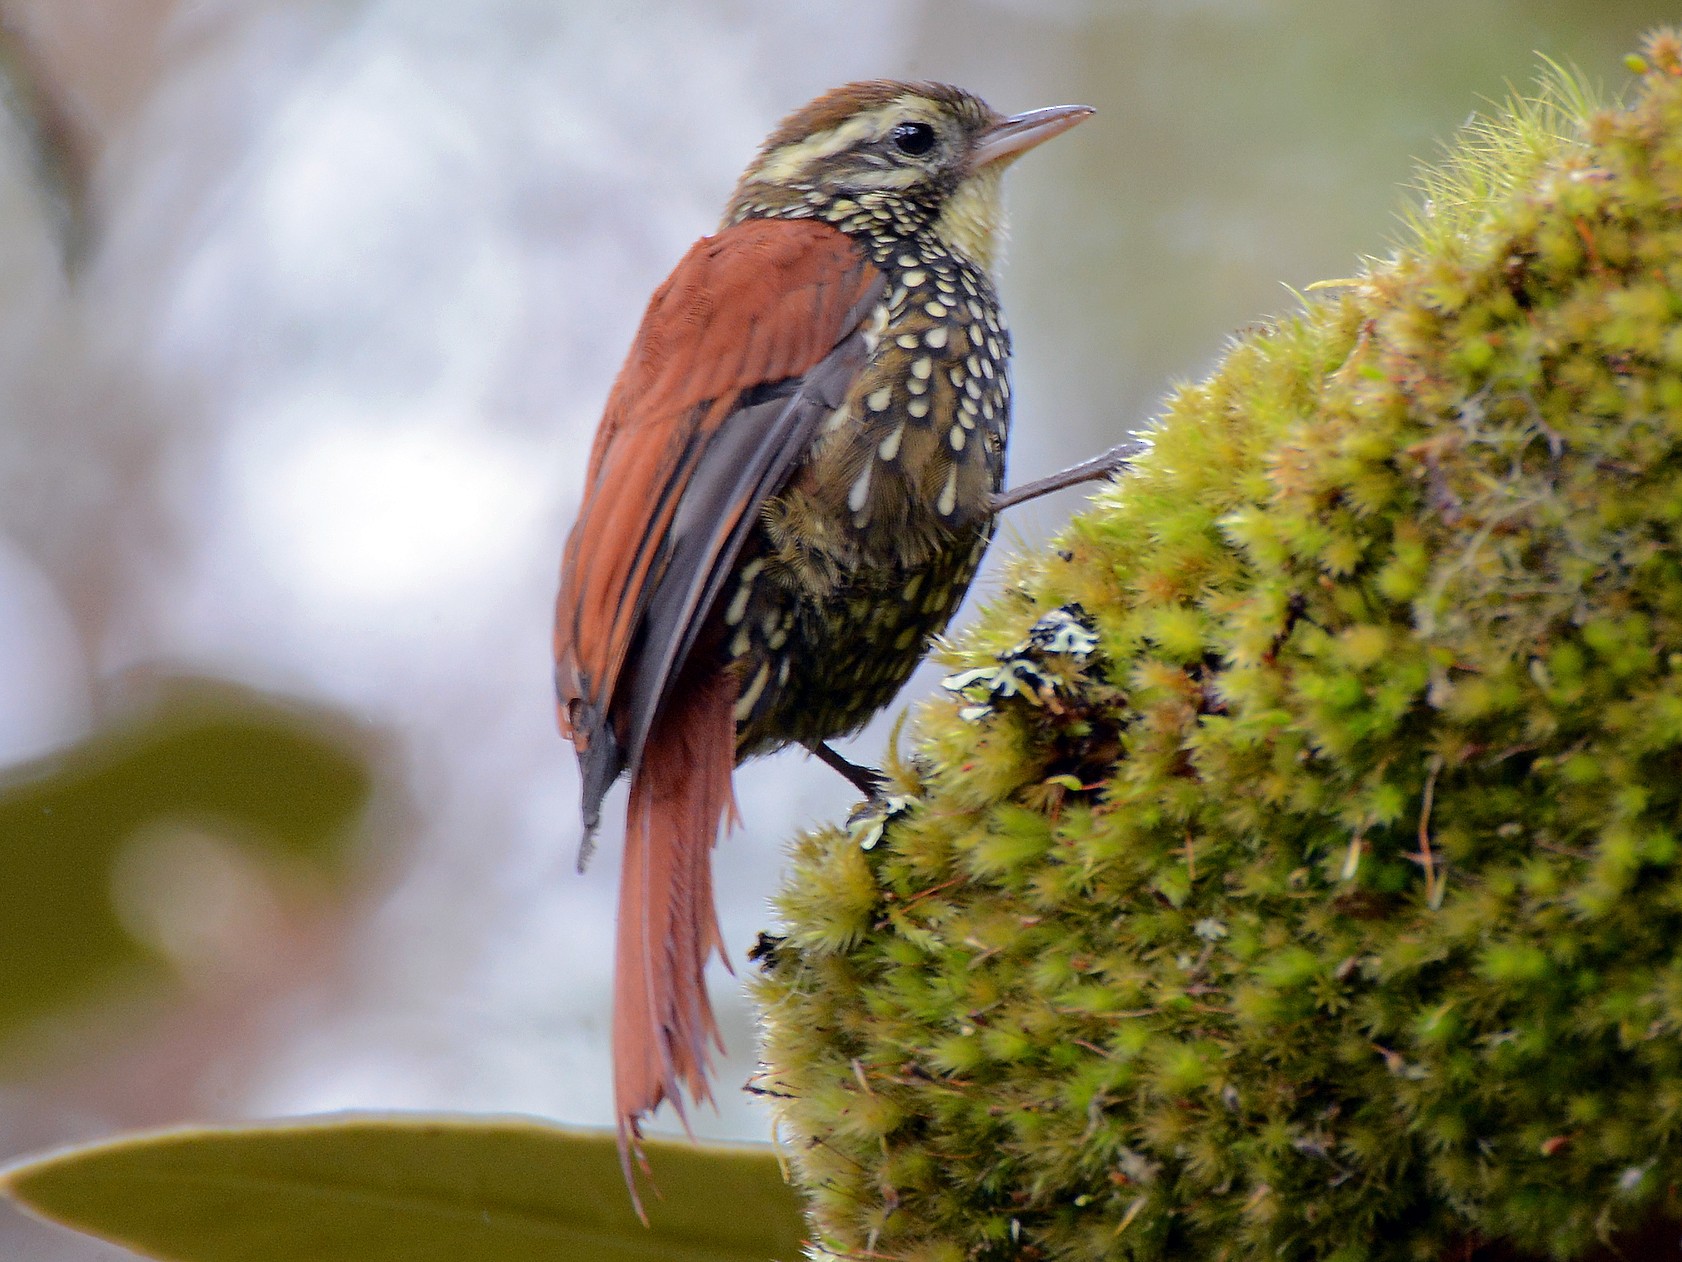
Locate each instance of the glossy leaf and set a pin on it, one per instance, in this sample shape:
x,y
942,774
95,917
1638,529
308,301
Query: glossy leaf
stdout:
x,y
409,1188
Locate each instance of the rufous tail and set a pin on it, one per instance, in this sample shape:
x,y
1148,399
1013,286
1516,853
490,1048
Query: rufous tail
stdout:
x,y
668,926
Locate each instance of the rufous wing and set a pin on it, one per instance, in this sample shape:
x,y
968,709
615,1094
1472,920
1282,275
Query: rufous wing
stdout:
x,y
684,458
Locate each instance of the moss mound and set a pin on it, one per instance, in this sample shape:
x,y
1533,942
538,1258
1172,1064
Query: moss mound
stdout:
x,y
1296,872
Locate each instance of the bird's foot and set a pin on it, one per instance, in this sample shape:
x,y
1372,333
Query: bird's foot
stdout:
x,y
1104,465
867,780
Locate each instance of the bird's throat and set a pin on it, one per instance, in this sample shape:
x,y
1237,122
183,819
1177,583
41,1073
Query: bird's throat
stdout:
x,y
972,222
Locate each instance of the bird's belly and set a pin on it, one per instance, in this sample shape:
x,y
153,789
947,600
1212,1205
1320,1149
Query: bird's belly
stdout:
x,y
815,664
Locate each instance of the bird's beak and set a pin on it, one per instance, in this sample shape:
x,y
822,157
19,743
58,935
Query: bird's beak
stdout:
x,y
1008,140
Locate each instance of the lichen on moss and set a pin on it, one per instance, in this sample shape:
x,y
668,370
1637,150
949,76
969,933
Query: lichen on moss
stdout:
x,y
1334,910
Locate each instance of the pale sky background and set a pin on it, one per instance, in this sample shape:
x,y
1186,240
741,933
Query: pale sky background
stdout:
x,y
312,416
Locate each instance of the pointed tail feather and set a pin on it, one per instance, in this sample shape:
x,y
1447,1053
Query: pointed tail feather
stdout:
x,y
668,927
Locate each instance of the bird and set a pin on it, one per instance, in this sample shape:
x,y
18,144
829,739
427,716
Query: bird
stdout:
x,y
795,476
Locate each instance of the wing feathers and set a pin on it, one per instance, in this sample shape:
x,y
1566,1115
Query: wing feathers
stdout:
x,y
762,301
742,468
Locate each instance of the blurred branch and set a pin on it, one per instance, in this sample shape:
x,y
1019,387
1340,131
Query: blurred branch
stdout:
x,y
61,163
72,75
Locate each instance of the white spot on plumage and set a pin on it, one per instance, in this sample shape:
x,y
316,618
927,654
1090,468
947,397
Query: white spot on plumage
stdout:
x,y
737,609
877,329
749,698
918,407
936,337
889,446
878,400
949,493
738,606
860,492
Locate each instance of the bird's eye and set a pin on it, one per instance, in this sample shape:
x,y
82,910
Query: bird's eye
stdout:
x,y
914,139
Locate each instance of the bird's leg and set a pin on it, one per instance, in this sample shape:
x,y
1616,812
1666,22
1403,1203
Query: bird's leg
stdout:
x,y
866,780
1103,465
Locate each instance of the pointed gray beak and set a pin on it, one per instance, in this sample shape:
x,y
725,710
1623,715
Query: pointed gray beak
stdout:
x,y
1016,135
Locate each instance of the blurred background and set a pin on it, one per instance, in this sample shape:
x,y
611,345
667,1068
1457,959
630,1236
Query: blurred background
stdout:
x,y
307,311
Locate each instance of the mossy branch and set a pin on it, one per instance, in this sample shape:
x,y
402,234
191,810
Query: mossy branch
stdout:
x,y
1296,872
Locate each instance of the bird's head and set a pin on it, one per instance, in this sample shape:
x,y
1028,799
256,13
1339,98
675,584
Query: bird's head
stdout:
x,y
891,159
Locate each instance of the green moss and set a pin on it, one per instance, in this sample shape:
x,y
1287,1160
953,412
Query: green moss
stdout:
x,y
1323,900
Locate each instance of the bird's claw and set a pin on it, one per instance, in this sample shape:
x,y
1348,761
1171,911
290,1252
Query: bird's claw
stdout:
x,y
867,780
1105,464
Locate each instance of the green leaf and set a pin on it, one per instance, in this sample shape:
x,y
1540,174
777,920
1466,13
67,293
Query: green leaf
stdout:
x,y
241,764
413,1188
